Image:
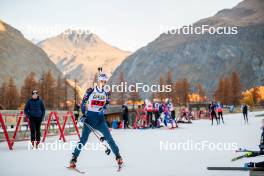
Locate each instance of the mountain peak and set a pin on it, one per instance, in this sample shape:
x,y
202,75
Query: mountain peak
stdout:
x,y
81,37
187,56
251,4
78,53
246,12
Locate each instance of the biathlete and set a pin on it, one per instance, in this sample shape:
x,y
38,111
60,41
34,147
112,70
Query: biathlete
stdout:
x,y
93,106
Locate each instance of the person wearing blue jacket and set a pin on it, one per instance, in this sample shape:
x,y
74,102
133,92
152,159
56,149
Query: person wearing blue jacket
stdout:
x,y
212,109
35,111
93,107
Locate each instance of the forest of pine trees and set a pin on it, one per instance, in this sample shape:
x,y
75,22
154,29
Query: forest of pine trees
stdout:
x,y
181,90
120,97
53,91
228,91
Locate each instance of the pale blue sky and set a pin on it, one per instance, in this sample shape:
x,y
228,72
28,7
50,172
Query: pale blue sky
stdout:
x,y
127,24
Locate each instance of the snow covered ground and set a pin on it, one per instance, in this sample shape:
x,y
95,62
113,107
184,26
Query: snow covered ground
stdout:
x,y
141,152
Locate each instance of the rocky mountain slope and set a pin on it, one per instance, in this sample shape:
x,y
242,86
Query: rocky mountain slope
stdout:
x,y
19,57
204,58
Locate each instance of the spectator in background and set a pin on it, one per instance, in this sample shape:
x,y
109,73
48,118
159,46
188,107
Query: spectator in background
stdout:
x,y
156,112
77,108
231,108
244,109
212,109
149,109
220,113
125,115
171,109
35,111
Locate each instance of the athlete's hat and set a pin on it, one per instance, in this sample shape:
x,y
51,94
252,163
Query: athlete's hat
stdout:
x,y
102,76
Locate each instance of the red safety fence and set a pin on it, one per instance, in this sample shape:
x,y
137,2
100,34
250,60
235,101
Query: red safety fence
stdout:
x,y
52,114
5,132
11,141
71,115
61,128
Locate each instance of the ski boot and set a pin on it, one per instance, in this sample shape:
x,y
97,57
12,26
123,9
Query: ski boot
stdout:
x,y
73,162
32,144
249,165
37,143
120,162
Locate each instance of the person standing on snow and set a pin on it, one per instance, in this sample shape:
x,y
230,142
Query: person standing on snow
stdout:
x,y
166,113
35,111
171,109
244,109
156,113
125,115
77,108
93,106
212,109
220,113
149,109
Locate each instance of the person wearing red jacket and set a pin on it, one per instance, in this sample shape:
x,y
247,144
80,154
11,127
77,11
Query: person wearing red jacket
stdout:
x,y
149,109
219,110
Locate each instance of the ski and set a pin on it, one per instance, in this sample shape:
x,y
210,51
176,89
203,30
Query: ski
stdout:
x,y
75,169
247,154
244,150
236,168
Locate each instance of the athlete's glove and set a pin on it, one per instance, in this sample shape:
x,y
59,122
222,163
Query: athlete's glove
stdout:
x,y
83,118
249,154
102,111
251,164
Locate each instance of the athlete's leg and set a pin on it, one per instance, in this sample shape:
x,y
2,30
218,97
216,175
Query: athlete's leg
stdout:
x,y
212,118
247,117
244,115
32,123
38,132
217,116
84,137
103,128
222,117
217,119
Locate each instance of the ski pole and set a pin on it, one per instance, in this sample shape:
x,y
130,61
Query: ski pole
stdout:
x,y
94,131
99,137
